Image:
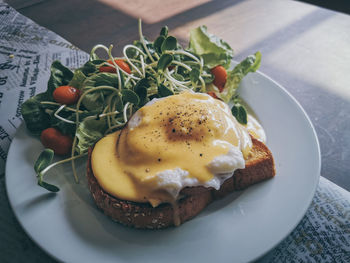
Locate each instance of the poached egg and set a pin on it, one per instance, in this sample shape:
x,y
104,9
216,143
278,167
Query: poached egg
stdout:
x,y
184,140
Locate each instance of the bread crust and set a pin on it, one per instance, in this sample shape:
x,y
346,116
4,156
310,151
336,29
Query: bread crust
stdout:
x,y
259,166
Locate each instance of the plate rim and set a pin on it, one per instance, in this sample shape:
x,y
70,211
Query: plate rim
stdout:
x,y
319,163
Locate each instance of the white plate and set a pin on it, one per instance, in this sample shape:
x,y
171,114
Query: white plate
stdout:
x,y
239,228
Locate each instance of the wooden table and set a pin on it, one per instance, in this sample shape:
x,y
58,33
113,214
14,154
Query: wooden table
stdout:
x,y
305,48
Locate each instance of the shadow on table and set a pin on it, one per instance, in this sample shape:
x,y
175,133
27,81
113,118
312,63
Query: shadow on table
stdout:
x,y
89,20
337,5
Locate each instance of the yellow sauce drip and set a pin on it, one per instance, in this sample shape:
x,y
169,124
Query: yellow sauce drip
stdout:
x,y
184,131
255,129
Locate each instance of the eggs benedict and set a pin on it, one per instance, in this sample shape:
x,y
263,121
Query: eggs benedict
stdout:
x,y
184,141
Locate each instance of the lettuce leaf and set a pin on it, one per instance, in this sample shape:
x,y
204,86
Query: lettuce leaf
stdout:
x,y
95,100
234,77
34,115
78,79
60,76
89,132
214,50
33,111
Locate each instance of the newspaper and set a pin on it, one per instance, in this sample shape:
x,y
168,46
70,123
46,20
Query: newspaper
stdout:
x,y
26,53
323,235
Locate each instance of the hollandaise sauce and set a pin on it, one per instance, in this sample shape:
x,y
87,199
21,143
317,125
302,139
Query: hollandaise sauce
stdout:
x,y
186,131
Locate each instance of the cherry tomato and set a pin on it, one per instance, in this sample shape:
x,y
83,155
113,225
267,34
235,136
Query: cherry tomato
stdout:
x,y
107,69
220,76
212,93
52,138
121,63
66,95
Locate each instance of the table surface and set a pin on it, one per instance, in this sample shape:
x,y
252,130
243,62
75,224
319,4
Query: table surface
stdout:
x,y
305,48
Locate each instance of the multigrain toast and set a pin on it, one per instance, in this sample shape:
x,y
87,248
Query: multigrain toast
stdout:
x,y
258,167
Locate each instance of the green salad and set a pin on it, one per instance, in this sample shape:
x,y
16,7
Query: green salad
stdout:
x,y
81,106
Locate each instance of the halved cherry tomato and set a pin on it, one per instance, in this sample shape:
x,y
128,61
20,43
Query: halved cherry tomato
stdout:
x,y
107,69
220,76
66,95
212,93
53,139
121,63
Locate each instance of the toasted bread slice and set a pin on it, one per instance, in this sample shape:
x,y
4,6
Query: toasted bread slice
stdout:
x,y
259,167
